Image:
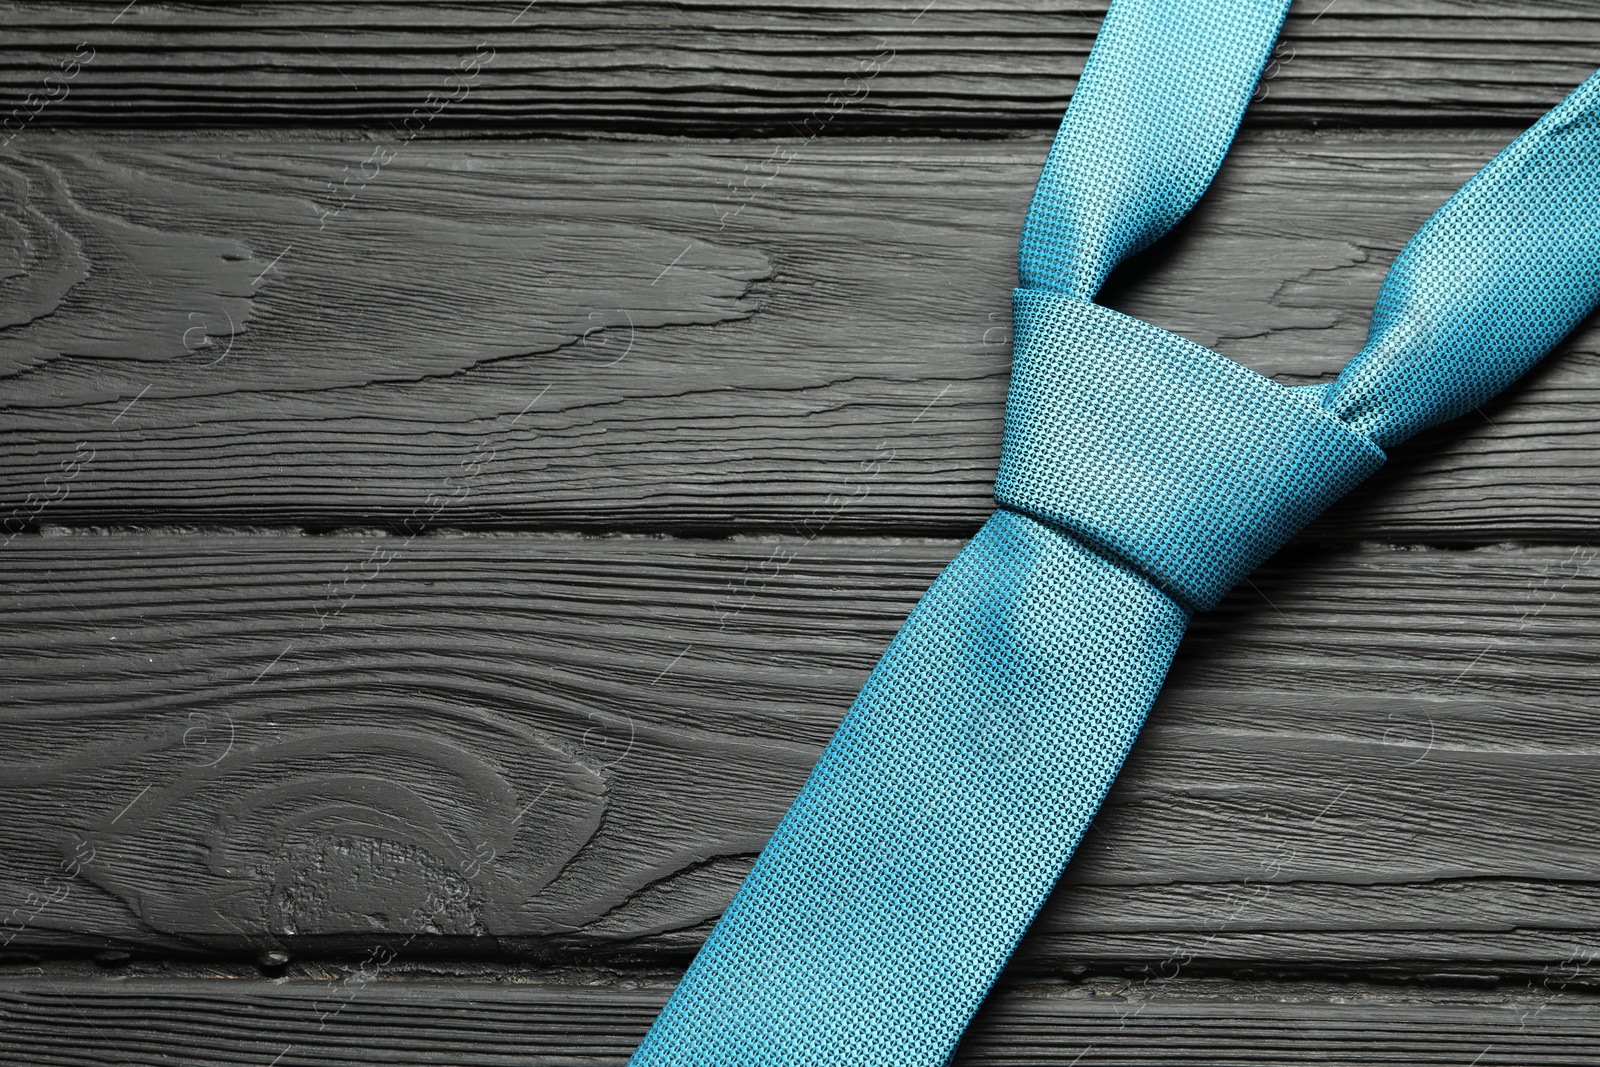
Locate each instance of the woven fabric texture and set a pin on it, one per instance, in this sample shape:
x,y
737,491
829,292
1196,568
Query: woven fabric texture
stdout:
x,y
1142,476
1499,274
938,818
1194,478
1149,124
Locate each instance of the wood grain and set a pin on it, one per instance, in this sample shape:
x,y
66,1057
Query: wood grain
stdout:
x,y
243,720
75,1022
1367,758
604,337
966,67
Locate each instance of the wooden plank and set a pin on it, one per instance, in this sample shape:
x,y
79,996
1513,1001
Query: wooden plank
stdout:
x,y
74,1022
600,337
1366,759
971,67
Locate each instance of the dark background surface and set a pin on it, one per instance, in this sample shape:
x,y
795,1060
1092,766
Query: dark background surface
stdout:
x,y
460,461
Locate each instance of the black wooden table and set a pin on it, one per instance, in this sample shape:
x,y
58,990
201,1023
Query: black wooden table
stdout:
x,y
460,461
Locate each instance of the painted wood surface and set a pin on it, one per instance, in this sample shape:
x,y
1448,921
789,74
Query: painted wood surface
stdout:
x,y
979,68
66,1022
559,747
597,337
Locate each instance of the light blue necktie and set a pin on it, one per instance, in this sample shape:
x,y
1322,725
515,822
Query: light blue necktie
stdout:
x,y
1141,477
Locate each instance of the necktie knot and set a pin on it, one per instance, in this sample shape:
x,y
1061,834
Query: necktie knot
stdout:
x,y
1172,459
1175,461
